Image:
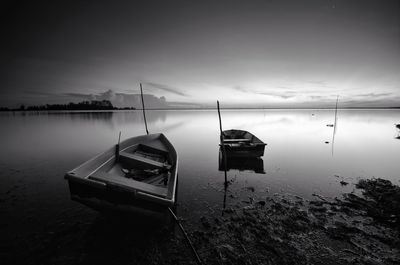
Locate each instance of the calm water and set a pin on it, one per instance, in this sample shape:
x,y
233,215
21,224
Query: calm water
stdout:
x,y
37,149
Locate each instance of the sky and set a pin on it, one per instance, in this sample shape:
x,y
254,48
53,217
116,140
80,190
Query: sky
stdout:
x,y
243,53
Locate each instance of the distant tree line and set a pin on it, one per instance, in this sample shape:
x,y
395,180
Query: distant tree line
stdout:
x,y
84,105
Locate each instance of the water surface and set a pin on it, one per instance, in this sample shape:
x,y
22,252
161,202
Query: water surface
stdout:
x,y
303,156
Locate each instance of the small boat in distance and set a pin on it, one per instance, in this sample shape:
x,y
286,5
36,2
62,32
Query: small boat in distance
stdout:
x,y
138,175
242,143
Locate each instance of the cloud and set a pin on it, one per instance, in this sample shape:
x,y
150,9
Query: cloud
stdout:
x,y
374,95
317,97
172,90
79,95
317,82
274,94
242,89
282,94
39,93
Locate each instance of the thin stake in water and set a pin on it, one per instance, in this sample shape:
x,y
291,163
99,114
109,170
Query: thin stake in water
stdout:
x,y
337,99
144,113
221,139
334,125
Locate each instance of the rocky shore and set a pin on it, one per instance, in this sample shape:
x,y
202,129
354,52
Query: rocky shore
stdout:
x,y
359,228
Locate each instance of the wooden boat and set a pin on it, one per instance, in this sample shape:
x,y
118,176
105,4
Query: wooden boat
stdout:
x,y
138,175
242,143
250,163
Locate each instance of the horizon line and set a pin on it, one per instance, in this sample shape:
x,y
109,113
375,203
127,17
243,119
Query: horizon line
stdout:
x,y
207,108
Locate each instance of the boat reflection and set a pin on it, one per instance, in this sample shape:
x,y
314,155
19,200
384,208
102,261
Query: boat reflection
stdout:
x,y
249,163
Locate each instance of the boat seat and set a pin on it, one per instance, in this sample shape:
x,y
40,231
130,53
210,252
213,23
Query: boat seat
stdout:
x,y
143,161
156,151
236,140
113,180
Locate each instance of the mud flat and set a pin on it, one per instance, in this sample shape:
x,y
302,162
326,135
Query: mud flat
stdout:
x,y
360,228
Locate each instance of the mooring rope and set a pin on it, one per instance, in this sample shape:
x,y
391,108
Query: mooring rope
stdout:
x,y
186,236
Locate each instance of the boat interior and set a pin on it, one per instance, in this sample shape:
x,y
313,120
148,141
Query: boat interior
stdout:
x,y
240,137
147,167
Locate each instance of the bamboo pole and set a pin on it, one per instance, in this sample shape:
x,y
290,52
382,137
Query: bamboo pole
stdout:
x,y
144,113
221,139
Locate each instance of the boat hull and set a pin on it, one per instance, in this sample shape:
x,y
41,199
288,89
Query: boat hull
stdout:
x,y
244,151
99,183
104,199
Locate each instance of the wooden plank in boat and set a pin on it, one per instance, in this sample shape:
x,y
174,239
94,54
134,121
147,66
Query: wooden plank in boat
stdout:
x,y
130,184
155,180
161,151
143,160
236,140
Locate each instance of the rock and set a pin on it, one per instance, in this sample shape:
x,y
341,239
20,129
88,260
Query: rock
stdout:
x,y
251,200
316,203
318,209
343,183
205,222
298,197
227,247
262,203
250,207
229,210
251,189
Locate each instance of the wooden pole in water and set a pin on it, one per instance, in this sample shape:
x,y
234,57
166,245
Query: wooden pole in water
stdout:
x,y
219,116
221,139
117,148
144,113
